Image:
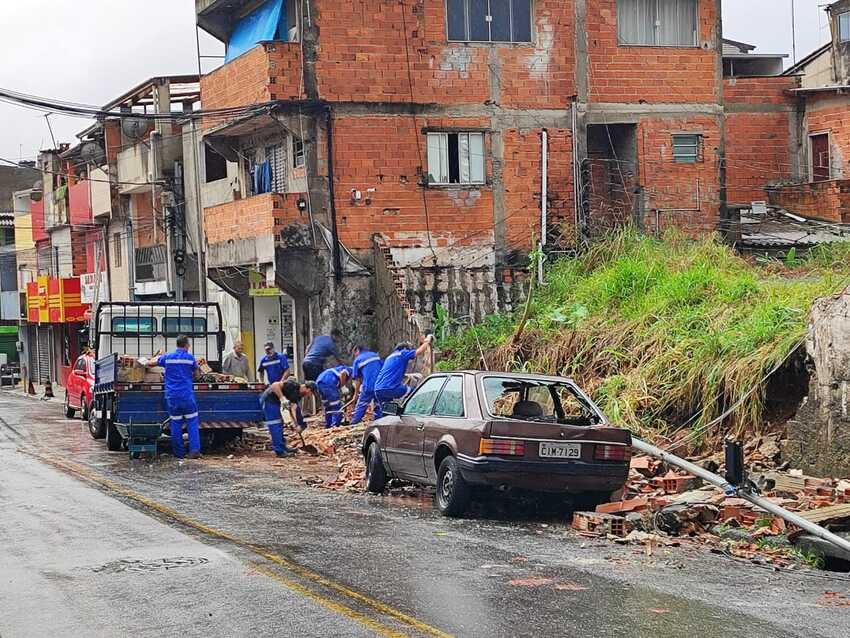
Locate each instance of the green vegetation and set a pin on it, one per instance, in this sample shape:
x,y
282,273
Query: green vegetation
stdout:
x,y
664,331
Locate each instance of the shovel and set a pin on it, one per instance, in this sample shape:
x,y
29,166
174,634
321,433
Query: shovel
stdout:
x,y
309,449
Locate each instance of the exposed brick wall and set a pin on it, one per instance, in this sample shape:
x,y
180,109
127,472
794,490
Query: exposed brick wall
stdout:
x,y
79,252
650,74
269,71
830,114
824,200
669,185
760,90
522,183
144,222
258,216
363,56
380,152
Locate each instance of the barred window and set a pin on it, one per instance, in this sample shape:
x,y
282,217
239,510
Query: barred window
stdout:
x,y
687,149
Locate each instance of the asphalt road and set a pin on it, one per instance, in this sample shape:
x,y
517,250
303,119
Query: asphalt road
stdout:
x,y
92,544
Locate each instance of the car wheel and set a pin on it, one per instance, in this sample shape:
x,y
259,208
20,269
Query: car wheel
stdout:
x,y
453,492
376,473
69,411
96,425
113,438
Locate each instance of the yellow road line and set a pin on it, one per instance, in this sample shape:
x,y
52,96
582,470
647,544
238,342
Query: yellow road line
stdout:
x,y
379,628
295,568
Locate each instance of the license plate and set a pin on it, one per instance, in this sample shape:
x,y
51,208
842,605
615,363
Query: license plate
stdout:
x,y
560,450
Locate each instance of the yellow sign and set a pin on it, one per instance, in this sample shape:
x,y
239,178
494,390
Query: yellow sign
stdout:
x,y
259,287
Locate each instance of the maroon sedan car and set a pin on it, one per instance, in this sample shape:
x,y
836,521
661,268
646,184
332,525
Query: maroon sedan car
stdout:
x,y
496,429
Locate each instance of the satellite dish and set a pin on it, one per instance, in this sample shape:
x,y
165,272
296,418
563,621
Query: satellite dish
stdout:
x,y
92,153
135,127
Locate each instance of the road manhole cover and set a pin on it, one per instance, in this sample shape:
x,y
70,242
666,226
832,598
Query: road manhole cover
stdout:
x,y
153,565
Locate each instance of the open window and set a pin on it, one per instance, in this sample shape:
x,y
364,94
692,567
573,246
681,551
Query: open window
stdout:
x,y
215,166
455,158
670,23
821,162
538,400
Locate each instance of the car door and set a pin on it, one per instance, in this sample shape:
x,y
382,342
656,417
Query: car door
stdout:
x,y
449,417
407,436
76,383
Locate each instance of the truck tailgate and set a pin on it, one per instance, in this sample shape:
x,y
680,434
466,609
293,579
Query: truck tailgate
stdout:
x,y
235,407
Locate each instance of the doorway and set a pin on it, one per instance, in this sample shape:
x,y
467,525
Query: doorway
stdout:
x,y
821,165
610,177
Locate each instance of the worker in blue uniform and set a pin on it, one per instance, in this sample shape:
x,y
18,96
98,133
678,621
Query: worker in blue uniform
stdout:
x,y
274,365
180,367
330,384
390,382
366,366
319,351
276,395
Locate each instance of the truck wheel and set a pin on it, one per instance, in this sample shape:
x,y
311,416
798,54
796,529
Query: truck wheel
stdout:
x,y
113,438
453,492
96,426
376,473
69,411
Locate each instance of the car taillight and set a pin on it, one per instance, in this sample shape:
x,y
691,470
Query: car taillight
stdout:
x,y
501,447
612,453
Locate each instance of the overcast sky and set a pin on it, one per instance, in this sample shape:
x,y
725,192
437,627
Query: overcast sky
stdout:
x,y
92,51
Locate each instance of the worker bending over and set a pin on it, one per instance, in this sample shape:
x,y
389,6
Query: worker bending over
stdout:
x,y
274,365
390,382
273,397
318,352
366,367
330,383
180,367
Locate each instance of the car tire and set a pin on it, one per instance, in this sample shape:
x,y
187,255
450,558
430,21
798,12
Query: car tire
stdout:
x,y
376,473
114,440
453,492
96,425
69,411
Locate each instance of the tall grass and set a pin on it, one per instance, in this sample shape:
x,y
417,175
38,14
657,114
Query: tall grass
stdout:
x,y
662,331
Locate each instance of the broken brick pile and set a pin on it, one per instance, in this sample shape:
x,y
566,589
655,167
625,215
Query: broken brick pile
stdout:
x,y
660,502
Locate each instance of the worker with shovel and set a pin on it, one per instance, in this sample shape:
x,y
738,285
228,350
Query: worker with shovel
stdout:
x,y
330,383
278,393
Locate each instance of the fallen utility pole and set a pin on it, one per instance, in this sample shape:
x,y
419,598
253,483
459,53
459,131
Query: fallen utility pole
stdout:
x,y
731,490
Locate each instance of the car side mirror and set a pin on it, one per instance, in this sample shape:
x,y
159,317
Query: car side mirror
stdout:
x,y
391,409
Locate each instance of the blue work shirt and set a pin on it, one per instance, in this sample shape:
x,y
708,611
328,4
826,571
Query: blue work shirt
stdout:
x,y
321,348
333,376
392,372
367,366
274,366
180,367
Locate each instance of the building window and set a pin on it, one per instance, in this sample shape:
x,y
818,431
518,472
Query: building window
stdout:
x,y
821,162
844,27
489,20
116,249
669,23
687,149
215,166
297,152
455,158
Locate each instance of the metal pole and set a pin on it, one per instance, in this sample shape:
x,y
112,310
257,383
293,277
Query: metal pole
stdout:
x,y
202,259
794,31
544,199
731,490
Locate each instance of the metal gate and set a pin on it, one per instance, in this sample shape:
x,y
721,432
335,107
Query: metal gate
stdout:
x,y
44,354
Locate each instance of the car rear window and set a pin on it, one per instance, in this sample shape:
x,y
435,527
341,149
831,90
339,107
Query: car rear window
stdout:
x,y
538,400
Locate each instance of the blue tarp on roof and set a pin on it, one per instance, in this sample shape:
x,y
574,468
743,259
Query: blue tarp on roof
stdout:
x,y
261,25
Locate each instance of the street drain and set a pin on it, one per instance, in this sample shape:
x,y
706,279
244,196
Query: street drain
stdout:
x,y
143,566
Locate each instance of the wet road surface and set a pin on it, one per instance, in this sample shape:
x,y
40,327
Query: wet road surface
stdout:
x,y
92,544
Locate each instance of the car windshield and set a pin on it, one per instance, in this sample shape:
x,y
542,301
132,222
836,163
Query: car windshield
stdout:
x,y
538,400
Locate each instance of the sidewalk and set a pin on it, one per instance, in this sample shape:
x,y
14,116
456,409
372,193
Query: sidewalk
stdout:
x,y
21,390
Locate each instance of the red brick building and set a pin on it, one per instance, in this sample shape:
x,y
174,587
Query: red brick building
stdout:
x,y
442,137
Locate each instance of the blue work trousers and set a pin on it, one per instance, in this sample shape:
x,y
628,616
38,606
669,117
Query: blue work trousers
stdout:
x,y
274,423
391,394
331,404
367,398
184,410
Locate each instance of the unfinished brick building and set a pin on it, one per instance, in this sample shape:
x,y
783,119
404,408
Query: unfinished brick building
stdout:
x,y
438,139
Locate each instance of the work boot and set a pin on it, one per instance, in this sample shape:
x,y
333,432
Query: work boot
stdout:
x,y
285,454
195,455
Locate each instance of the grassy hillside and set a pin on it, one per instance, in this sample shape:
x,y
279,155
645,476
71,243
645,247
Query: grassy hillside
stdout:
x,y
662,332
